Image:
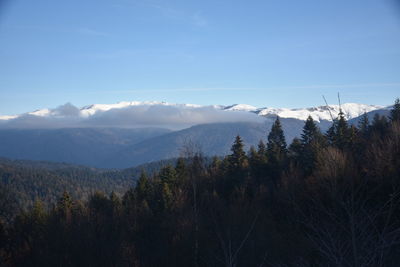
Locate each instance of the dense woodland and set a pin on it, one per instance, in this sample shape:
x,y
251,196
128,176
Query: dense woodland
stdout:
x,y
327,199
22,182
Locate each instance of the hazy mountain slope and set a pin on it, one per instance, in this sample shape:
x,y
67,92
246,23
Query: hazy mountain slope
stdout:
x,y
371,114
213,139
87,146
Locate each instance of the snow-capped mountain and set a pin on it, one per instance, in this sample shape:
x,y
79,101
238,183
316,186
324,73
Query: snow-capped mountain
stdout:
x,y
130,133
351,110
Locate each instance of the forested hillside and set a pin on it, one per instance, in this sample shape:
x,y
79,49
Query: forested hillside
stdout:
x,y
324,200
23,182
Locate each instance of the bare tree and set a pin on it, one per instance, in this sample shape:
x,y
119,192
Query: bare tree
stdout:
x,y
342,220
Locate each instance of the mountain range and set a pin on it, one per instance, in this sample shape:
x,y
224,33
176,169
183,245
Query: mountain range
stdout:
x,y
127,134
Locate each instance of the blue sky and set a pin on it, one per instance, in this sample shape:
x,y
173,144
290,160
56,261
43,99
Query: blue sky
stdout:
x,y
275,53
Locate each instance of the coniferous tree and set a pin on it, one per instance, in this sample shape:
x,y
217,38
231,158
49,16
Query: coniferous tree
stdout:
x,y
142,187
276,146
379,126
262,150
310,133
168,175
338,133
295,149
237,159
236,167
311,142
395,112
363,125
276,152
180,169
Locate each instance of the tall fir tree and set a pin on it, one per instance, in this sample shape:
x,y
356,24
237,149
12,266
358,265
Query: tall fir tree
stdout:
x,y
142,189
395,112
379,125
363,125
168,175
237,159
311,132
276,146
276,154
338,133
312,142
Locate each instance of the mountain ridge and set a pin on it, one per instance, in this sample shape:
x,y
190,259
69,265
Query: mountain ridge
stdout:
x,y
180,113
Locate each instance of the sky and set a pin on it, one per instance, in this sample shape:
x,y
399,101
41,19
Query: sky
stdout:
x,y
266,53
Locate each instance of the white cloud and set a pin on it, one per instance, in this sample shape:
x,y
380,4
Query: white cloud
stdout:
x,y
134,116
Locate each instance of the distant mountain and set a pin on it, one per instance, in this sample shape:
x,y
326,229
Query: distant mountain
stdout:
x,y
85,146
212,139
167,115
118,136
382,112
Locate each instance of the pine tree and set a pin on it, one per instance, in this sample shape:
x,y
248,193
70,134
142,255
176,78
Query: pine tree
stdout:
x,y
342,132
395,112
167,197
180,169
363,125
276,146
237,159
142,187
311,142
338,133
276,153
168,175
295,149
380,125
262,150
311,132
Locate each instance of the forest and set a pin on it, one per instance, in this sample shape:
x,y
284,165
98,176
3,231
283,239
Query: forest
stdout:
x,y
326,199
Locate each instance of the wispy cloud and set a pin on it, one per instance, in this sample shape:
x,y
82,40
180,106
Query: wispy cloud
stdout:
x,y
201,89
123,53
171,90
167,11
91,32
340,86
83,30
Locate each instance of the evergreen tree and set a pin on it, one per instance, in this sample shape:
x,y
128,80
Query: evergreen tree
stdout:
x,y
237,159
295,149
312,142
363,125
276,154
379,126
310,133
142,187
262,150
342,132
338,133
395,112
276,146
168,175
180,169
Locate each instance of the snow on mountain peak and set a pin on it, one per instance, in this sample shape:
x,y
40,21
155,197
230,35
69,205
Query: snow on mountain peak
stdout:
x,y
240,107
350,110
